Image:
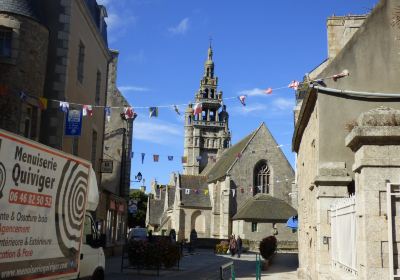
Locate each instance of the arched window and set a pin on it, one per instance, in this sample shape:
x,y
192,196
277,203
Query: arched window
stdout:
x,y
262,178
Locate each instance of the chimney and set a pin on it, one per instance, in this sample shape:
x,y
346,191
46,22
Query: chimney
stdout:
x,y
340,30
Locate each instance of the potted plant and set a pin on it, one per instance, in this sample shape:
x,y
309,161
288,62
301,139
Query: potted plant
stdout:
x,y
267,249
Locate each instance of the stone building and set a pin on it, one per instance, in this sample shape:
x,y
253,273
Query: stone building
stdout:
x,y
23,54
115,179
219,182
55,49
331,163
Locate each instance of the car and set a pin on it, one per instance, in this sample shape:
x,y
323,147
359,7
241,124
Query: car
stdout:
x,y
138,234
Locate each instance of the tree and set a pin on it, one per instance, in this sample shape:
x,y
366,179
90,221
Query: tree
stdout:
x,y
139,217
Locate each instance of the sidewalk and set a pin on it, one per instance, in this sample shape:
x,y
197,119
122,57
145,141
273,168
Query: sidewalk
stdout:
x,y
204,264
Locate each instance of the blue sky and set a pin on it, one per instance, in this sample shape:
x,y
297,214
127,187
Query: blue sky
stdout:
x,y
257,44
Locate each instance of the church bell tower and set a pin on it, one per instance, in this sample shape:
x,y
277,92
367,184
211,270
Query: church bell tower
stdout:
x,y
206,130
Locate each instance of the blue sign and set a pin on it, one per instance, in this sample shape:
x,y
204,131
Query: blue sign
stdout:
x,y
73,123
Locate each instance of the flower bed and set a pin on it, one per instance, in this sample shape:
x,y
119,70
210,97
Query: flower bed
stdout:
x,y
222,247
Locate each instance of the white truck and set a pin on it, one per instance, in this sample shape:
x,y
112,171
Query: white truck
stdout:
x,y
46,229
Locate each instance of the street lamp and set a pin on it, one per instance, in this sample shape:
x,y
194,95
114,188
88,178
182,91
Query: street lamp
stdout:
x,y
138,177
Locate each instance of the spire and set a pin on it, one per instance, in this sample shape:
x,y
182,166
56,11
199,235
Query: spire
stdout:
x,y
210,52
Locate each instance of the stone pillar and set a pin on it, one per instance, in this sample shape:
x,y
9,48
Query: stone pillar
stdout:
x,y
376,144
216,115
208,115
331,183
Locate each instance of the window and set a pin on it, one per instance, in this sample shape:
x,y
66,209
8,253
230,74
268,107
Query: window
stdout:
x,y
94,148
254,227
261,178
30,123
98,87
5,42
81,61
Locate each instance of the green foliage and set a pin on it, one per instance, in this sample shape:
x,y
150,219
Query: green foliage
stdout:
x,y
268,246
222,247
139,219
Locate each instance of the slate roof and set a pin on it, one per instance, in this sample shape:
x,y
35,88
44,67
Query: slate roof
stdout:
x,y
194,182
226,160
28,8
264,208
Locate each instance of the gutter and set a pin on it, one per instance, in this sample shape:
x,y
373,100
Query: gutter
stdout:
x,y
352,93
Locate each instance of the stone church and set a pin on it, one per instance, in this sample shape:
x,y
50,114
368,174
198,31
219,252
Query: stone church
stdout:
x,y
241,189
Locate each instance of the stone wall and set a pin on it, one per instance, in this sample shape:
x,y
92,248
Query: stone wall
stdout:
x,y
24,71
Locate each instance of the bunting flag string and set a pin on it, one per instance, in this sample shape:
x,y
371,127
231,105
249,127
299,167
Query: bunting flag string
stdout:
x,y
130,114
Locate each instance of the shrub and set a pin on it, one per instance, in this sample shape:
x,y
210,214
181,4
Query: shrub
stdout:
x,y
268,246
161,252
222,247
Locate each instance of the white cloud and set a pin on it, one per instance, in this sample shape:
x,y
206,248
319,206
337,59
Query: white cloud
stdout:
x,y
157,131
126,89
253,92
283,103
181,28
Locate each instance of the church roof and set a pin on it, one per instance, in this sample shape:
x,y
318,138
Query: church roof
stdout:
x,y
197,185
222,166
264,208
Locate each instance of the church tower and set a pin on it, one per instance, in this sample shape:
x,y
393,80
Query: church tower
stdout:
x,y
206,131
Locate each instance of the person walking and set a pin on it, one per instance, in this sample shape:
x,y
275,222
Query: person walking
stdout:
x,y
239,245
232,245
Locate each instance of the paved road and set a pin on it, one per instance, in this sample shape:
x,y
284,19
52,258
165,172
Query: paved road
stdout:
x,y
204,265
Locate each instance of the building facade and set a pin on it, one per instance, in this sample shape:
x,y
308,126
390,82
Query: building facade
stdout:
x,y
116,162
342,140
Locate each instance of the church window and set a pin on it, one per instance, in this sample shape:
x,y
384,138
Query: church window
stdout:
x,y
254,227
5,42
212,115
206,93
212,93
204,115
261,178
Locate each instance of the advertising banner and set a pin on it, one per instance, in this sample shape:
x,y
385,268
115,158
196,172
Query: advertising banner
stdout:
x,y
43,194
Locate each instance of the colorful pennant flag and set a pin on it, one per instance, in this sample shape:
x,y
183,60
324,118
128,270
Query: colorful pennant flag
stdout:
x,y
107,110
132,154
198,158
87,110
294,84
177,110
187,191
64,106
170,158
184,159
42,103
268,91
206,191
129,113
241,190
198,107
233,193
196,191
239,155
242,99
143,154
155,158
340,75
153,112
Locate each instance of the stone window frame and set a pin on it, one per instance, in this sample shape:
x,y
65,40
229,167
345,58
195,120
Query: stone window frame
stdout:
x,y
80,71
14,26
256,171
97,97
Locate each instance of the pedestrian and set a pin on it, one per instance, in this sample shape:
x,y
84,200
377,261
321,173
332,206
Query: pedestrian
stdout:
x,y
232,245
193,239
239,245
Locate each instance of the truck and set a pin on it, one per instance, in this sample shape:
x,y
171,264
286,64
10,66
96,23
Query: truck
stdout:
x,y
46,227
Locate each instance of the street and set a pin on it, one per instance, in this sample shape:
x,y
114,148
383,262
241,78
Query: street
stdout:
x,y
204,264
